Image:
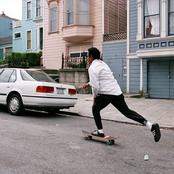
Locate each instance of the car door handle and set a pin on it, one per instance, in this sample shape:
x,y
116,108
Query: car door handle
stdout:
x,y
8,86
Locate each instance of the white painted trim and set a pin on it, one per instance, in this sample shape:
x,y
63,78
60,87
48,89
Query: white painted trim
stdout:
x,y
17,33
140,19
27,40
128,45
155,39
128,26
128,68
141,75
118,41
155,53
164,19
131,56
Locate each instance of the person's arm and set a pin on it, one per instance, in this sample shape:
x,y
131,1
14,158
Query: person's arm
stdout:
x,y
94,83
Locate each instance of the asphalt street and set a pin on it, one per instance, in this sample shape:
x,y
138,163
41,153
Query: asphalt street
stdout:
x,y
38,143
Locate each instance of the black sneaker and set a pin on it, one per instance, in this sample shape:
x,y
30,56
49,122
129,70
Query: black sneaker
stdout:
x,y
156,132
97,133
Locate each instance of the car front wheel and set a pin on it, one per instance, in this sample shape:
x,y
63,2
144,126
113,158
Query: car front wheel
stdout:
x,y
15,105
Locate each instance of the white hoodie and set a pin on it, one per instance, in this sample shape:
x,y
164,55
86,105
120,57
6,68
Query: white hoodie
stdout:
x,y
102,80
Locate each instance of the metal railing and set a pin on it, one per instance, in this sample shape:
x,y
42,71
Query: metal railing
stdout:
x,y
114,36
74,62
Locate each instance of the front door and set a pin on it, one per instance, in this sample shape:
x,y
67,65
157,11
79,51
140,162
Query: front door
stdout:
x,y
116,66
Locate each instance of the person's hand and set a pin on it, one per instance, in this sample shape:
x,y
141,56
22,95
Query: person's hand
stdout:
x,y
85,85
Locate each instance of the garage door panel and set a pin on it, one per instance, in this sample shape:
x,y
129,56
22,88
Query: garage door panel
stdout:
x,y
158,81
172,79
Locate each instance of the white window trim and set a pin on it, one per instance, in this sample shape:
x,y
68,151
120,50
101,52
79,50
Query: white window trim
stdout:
x,y
41,11
53,5
163,20
27,40
17,37
27,9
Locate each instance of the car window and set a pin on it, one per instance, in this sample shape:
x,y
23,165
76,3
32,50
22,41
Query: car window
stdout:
x,y
5,75
1,70
13,77
25,76
36,75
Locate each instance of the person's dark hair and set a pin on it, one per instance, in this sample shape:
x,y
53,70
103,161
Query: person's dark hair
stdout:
x,y
94,52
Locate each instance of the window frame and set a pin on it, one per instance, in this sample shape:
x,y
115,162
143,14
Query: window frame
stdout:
x,y
38,8
169,13
75,14
68,14
29,41
53,20
81,13
152,15
29,11
17,37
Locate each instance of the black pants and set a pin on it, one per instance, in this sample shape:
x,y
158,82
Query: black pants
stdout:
x,y
103,100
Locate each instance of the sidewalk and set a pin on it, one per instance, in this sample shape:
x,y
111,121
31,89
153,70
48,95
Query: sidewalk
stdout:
x,y
154,110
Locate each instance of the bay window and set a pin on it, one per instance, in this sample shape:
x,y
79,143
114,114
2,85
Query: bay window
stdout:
x,y
70,12
83,12
77,12
151,18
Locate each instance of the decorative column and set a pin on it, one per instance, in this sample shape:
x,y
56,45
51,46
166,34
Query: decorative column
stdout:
x,y
141,74
140,19
164,18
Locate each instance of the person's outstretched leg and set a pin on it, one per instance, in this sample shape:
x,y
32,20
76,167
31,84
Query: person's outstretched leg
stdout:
x,y
120,104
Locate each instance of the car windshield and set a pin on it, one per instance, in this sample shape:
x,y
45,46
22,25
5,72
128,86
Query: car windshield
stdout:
x,y
36,75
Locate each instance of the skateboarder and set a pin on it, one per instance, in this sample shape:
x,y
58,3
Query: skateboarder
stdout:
x,y
106,90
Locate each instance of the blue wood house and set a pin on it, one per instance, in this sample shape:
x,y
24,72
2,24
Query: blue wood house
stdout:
x,y
28,35
5,35
144,60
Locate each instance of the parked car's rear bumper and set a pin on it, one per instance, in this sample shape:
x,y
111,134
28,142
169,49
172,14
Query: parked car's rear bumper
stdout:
x,y
42,101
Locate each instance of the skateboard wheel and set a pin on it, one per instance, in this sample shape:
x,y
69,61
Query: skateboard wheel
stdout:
x,y
90,137
109,143
86,138
113,142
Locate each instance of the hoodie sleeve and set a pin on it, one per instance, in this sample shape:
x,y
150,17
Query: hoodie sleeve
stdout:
x,y
94,83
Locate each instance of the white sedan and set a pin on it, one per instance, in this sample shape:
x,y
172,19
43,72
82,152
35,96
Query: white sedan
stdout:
x,y
30,88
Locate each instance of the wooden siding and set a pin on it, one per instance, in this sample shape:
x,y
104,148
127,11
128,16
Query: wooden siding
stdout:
x,y
115,16
134,80
133,26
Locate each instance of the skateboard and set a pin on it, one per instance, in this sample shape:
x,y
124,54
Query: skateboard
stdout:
x,y
109,140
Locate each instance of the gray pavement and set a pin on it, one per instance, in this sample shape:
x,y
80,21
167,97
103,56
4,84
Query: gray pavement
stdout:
x,y
154,110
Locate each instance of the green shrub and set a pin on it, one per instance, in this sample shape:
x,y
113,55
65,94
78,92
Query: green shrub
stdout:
x,y
24,60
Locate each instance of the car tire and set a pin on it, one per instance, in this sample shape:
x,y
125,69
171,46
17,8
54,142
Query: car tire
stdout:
x,y
15,105
53,111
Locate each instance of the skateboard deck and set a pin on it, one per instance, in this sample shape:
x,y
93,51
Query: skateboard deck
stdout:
x,y
108,139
